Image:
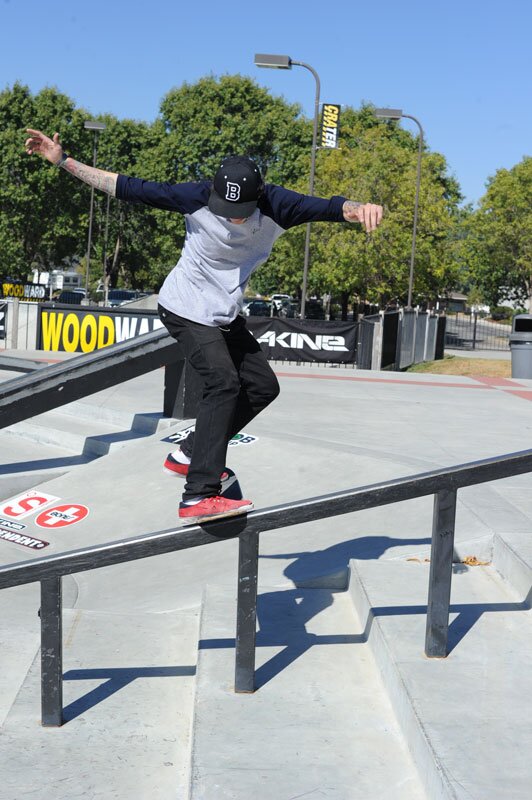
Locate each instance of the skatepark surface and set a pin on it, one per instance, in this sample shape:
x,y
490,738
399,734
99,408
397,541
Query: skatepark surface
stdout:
x,y
347,705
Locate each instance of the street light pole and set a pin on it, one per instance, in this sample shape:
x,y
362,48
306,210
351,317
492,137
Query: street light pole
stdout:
x,y
396,113
91,125
285,62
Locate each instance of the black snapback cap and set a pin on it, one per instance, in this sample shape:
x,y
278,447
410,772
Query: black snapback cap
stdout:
x,y
236,188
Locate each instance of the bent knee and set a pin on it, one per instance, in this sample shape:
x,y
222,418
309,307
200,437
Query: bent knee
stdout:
x,y
268,391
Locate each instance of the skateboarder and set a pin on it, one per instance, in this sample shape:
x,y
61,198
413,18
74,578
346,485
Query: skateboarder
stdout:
x,y
232,223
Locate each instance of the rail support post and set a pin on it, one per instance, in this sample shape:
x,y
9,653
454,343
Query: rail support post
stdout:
x,y
441,568
51,653
246,618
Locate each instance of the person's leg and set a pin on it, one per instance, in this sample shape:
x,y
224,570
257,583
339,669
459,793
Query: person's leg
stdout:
x,y
207,352
258,383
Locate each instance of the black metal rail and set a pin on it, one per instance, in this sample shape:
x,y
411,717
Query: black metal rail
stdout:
x,y
443,484
57,384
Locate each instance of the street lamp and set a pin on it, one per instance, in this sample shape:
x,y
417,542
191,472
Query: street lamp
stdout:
x,y
91,125
285,62
396,113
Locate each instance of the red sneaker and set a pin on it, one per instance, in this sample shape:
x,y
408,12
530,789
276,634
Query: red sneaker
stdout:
x,y
213,508
174,467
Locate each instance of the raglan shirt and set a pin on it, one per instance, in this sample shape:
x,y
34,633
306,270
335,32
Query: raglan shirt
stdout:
x,y
218,257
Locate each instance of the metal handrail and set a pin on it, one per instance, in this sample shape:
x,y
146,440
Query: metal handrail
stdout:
x,y
442,483
57,384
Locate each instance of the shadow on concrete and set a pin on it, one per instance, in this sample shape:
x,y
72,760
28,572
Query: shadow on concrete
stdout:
x,y
115,680
312,564
45,463
283,615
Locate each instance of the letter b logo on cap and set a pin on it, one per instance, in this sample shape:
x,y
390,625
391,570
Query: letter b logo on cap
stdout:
x,y
232,192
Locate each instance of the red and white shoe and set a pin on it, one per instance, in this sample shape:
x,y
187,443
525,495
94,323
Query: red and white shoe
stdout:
x,y
175,467
213,508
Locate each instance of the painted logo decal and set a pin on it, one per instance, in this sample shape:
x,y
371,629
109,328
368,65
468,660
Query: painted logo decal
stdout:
x,y
60,516
8,524
26,504
239,438
26,541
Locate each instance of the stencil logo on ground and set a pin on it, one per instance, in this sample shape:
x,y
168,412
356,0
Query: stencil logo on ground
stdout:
x,y
8,524
60,516
25,504
239,438
26,541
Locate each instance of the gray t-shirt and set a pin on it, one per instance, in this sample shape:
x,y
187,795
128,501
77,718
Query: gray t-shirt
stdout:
x,y
218,257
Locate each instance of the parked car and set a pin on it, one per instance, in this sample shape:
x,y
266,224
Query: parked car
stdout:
x,y
277,300
75,298
257,308
119,297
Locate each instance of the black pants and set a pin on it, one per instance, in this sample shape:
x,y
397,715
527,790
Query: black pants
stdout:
x,y
238,383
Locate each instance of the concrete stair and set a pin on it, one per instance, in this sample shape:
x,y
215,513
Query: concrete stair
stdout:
x,y
347,706
465,718
128,688
79,432
49,445
319,723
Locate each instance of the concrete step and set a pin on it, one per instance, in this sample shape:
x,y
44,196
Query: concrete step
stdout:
x,y
128,687
512,557
24,464
142,422
319,723
20,637
89,437
466,717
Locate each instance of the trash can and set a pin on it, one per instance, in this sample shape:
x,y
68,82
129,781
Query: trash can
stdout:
x,y
521,346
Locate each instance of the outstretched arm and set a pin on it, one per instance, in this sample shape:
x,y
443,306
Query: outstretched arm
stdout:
x,y
369,214
52,151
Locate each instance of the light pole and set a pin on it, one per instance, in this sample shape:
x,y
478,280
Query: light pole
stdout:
x,y
91,125
285,62
396,113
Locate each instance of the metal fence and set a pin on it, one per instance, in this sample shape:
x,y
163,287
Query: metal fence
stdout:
x,y
443,484
475,332
18,324
398,339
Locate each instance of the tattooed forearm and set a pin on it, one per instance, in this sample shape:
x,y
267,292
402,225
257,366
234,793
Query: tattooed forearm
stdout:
x,y
98,178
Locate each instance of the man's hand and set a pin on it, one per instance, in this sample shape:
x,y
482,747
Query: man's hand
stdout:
x,y
39,143
368,214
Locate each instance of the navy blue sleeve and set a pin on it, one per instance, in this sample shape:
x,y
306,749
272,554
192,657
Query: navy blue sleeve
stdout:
x,y
183,197
288,208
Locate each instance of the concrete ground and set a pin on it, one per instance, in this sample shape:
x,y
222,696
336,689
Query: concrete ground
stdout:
x,y
347,706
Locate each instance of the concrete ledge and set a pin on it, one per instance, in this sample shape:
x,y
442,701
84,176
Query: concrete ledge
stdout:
x,y
512,557
466,718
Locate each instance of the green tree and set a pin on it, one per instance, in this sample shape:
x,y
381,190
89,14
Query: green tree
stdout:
x,y
377,162
498,248
40,213
199,125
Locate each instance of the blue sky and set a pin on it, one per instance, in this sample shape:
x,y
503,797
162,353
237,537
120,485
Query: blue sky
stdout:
x,y
463,68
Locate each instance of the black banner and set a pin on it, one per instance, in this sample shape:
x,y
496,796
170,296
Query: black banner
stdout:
x,y
305,339
78,329
3,320
24,291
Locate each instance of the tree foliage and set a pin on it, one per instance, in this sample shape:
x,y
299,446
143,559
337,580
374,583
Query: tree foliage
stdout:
x,y
497,247
44,212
